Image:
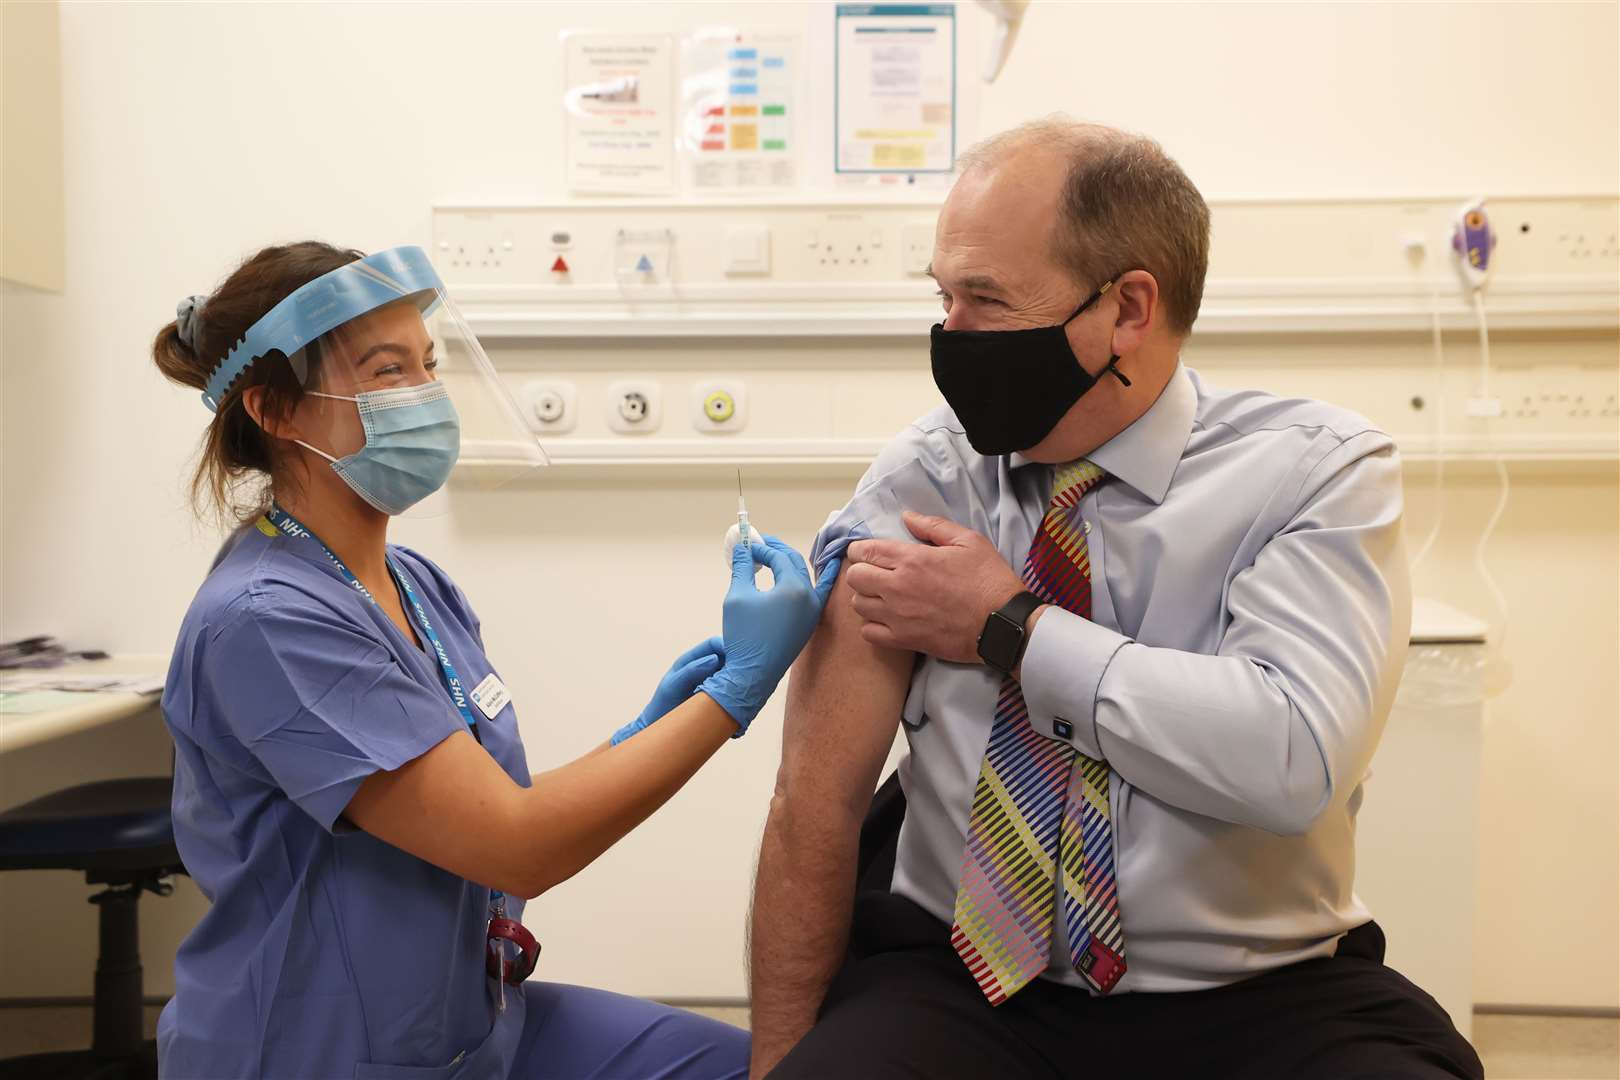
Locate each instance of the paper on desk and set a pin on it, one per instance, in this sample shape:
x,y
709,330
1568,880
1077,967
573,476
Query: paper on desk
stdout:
x,y
24,702
104,683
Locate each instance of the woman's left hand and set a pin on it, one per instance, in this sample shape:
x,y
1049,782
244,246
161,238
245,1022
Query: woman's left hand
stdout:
x,y
765,630
681,682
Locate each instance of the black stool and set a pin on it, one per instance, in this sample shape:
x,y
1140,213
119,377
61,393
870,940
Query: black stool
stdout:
x,y
120,834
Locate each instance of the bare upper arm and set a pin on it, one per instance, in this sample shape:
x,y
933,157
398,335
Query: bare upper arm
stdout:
x,y
844,701
454,807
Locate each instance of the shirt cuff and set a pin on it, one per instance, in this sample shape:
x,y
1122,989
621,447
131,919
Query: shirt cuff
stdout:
x,y
1063,665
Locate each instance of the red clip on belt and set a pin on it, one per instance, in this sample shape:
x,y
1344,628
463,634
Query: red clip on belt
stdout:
x,y
512,972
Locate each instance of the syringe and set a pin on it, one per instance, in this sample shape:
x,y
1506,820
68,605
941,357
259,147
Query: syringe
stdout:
x,y
742,514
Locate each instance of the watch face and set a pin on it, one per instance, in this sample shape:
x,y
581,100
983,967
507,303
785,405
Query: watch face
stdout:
x,y
999,642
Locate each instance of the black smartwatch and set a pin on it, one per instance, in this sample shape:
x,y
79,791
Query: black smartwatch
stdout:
x,y
1001,642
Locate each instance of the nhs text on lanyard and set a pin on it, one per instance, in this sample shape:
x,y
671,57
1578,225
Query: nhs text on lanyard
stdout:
x,y
291,526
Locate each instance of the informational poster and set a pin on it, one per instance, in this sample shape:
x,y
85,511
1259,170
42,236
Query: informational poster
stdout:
x,y
618,103
739,110
895,76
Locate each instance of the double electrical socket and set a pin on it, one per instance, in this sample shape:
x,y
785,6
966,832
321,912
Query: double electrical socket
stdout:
x,y
635,406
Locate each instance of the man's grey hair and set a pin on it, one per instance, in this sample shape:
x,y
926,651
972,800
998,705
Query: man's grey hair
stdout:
x,y
1125,205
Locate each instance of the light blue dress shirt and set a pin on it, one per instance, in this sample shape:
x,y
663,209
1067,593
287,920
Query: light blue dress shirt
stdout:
x,y
1250,612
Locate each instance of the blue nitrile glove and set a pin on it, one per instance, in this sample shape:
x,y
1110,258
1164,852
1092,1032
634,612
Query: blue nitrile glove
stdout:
x,y
764,631
689,670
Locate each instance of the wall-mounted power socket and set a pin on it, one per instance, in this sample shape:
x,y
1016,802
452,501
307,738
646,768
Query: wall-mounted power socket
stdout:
x,y
550,406
634,406
719,405
916,247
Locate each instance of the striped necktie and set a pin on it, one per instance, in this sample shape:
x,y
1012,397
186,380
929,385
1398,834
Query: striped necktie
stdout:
x,y
1041,807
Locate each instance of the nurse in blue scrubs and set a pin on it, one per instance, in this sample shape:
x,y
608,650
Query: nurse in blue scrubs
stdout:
x,y
351,791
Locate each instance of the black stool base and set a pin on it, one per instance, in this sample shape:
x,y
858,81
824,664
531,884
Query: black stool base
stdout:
x,y
119,832
82,1065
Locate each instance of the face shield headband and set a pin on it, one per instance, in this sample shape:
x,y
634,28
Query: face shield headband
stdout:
x,y
326,303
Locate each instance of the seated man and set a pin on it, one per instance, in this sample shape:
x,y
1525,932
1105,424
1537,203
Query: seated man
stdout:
x,y
1143,640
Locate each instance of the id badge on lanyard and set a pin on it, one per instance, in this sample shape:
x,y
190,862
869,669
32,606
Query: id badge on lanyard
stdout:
x,y
510,951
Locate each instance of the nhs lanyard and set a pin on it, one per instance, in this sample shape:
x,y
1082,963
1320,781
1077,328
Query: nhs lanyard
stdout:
x,y
288,525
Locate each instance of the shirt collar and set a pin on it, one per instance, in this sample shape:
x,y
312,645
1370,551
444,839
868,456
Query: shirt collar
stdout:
x,y
1145,455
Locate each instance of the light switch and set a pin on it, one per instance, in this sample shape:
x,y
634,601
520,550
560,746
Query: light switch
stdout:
x,y
748,249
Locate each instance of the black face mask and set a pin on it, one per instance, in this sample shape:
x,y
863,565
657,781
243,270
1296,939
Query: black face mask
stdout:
x,y
1011,387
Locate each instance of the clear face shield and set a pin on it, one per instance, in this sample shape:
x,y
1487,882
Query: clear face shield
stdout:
x,y
396,387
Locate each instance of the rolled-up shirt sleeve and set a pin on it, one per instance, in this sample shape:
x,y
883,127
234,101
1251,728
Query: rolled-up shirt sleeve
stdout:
x,y
1279,724
910,474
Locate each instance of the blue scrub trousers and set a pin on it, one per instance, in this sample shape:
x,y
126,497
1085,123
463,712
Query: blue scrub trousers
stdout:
x,y
577,1033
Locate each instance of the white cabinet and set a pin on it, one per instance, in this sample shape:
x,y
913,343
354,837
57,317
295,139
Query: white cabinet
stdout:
x,y
1417,842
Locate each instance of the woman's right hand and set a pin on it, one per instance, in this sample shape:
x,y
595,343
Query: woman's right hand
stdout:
x,y
765,631
681,682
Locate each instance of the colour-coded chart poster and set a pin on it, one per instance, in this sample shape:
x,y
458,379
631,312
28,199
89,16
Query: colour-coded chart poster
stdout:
x,y
739,92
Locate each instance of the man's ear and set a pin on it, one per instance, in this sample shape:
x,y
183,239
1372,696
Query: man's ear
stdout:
x,y
1137,294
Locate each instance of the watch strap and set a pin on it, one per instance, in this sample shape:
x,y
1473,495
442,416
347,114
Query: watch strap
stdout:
x,y
1018,608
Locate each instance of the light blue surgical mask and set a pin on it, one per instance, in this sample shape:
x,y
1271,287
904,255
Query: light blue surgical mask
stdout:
x,y
413,437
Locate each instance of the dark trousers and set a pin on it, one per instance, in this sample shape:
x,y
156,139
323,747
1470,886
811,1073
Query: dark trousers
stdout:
x,y
904,1006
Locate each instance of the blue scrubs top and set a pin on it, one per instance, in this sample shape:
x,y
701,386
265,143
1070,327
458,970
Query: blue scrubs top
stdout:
x,y
326,952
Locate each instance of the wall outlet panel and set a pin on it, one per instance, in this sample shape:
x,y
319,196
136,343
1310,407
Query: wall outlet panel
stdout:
x,y
857,269
1334,300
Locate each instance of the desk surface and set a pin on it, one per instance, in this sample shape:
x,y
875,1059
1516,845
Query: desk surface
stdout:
x,y
1434,622
96,709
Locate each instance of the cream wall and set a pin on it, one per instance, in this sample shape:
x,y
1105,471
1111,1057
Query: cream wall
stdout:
x,y
195,132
